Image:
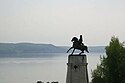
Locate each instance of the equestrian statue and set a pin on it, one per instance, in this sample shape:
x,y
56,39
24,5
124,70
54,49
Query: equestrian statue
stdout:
x,y
77,44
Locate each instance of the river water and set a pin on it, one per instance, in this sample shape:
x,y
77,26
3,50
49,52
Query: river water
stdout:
x,y
47,69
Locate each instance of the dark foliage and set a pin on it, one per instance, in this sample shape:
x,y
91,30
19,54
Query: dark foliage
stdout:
x,y
112,67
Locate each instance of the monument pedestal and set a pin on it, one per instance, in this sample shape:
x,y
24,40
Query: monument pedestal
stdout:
x,y
77,69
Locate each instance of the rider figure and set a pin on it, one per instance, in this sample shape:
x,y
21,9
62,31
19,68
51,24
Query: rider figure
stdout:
x,y
80,41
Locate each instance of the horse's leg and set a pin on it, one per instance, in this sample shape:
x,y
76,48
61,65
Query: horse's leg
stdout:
x,y
69,49
73,51
86,49
81,52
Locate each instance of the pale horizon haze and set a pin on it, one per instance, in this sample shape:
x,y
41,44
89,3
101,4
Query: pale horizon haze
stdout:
x,y
57,21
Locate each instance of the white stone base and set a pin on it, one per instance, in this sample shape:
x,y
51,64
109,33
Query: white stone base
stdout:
x,y
77,69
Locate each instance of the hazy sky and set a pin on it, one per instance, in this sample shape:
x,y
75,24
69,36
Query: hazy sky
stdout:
x,y
57,21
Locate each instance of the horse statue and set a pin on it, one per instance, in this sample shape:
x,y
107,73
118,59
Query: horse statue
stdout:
x,y
77,44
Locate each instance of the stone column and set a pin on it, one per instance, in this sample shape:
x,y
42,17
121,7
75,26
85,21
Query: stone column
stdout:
x,y
77,69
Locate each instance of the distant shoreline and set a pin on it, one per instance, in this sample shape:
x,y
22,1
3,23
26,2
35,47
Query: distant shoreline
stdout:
x,y
20,48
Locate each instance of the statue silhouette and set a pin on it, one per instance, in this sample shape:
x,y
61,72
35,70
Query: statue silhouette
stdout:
x,y
80,40
77,44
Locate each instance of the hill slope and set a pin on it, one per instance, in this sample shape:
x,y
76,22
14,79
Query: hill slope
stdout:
x,y
11,48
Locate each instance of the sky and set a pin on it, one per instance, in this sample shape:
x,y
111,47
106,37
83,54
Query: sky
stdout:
x,y
57,21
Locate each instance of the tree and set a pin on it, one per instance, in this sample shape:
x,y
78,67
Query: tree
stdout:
x,y
98,75
112,66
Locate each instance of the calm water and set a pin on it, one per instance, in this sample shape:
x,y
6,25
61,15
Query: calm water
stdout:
x,y
31,69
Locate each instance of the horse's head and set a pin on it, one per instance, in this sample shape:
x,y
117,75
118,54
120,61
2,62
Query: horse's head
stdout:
x,y
74,39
